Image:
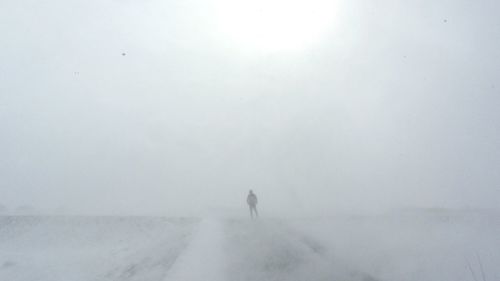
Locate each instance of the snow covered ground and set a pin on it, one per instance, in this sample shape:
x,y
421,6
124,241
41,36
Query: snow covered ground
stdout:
x,y
90,248
414,246
391,247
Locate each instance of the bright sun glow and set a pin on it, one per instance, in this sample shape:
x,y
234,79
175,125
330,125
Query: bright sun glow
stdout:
x,y
274,25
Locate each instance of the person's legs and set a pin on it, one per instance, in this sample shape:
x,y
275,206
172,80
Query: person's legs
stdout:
x,y
251,211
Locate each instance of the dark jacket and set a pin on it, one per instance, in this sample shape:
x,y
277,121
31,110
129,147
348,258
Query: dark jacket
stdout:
x,y
252,199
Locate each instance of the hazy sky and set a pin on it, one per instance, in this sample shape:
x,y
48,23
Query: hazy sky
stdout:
x,y
177,106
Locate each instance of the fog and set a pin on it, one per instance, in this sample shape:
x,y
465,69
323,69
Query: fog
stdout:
x,y
159,107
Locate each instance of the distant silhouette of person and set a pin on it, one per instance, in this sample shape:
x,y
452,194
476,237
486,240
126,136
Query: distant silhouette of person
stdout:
x,y
252,203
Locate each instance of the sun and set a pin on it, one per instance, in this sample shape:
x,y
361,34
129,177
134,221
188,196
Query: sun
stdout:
x,y
274,25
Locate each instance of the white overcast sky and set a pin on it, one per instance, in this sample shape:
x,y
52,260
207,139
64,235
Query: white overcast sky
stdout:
x,y
176,106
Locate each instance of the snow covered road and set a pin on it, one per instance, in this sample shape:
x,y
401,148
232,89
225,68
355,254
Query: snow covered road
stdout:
x,y
245,250
270,250
155,249
413,248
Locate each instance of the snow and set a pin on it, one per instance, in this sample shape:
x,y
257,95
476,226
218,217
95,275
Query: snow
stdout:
x,y
417,246
270,250
90,248
203,259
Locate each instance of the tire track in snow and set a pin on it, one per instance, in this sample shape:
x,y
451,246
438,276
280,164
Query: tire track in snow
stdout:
x,y
269,250
203,260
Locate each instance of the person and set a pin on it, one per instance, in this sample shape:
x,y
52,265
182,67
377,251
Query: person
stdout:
x,y
252,203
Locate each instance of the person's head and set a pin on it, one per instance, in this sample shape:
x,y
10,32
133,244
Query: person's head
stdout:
x,y
251,191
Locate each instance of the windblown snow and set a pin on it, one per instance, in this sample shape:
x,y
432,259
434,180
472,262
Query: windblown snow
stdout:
x,y
345,248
